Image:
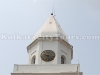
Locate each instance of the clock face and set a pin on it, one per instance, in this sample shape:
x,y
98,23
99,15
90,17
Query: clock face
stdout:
x,y
47,55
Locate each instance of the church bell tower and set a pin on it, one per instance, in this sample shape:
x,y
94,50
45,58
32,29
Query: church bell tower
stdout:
x,y
49,53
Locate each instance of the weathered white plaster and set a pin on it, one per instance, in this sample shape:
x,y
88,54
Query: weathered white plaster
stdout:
x,y
46,68
61,47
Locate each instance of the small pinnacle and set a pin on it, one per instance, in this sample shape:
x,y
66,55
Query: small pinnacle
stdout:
x,y
51,13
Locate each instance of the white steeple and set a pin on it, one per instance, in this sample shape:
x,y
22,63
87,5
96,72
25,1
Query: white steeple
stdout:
x,y
51,28
49,57
62,50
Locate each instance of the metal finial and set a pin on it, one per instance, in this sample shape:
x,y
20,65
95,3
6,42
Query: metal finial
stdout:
x,y
51,13
53,10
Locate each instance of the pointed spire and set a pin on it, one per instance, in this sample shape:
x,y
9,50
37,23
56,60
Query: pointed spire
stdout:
x,y
50,28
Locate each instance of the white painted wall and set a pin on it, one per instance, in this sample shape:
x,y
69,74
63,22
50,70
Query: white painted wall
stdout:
x,y
33,52
58,47
64,50
55,68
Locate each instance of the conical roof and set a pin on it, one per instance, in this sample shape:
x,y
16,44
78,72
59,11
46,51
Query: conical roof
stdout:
x,y
51,28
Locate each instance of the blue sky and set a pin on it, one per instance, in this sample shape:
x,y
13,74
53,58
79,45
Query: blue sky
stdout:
x,y
25,17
